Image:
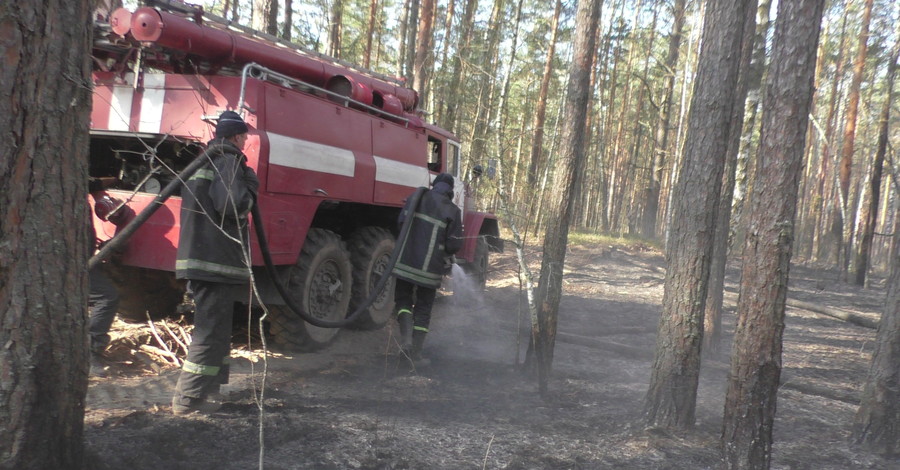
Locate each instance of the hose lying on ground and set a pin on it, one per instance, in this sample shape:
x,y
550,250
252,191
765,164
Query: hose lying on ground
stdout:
x,y
123,235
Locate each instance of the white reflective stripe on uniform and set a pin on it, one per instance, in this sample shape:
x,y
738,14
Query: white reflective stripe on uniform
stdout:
x,y
203,174
120,105
152,104
186,264
403,174
305,155
199,369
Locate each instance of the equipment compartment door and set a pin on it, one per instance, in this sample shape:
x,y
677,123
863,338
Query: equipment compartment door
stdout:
x,y
316,147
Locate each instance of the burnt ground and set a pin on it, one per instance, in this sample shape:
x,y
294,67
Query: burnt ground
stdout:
x,y
356,405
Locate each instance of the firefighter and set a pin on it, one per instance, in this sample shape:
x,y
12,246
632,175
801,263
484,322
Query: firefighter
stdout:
x,y
104,295
427,253
213,256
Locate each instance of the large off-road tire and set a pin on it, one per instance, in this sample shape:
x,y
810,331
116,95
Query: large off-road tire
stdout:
x,y
478,268
370,252
321,282
145,291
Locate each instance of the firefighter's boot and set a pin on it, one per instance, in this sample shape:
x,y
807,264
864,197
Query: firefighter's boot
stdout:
x,y
98,368
405,319
418,341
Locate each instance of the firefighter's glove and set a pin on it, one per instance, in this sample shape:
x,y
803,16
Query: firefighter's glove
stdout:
x,y
449,261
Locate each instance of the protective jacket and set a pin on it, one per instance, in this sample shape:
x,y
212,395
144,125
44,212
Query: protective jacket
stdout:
x,y
214,211
435,234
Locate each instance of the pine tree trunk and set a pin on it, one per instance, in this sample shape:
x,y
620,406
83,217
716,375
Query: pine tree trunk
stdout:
x,y
449,116
672,395
571,160
859,65
335,33
712,334
756,354
424,55
537,144
755,75
272,17
45,102
876,423
409,49
370,32
661,140
870,212
288,29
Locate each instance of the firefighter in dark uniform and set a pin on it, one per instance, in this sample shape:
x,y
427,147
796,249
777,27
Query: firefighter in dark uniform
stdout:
x,y
426,254
213,255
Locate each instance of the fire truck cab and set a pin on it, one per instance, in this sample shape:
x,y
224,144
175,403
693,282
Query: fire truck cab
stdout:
x,y
337,151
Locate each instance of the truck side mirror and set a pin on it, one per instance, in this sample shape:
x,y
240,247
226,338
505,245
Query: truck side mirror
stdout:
x,y
477,170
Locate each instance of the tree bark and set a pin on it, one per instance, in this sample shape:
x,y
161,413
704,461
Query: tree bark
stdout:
x,y
424,46
859,65
571,157
661,142
756,358
712,334
335,34
45,102
370,32
537,144
448,116
869,213
876,425
672,396
288,30
408,53
272,17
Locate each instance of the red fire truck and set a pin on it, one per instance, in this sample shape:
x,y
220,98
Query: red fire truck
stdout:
x,y
337,150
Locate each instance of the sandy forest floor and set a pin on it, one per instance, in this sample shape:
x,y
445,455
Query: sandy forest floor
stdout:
x,y
356,405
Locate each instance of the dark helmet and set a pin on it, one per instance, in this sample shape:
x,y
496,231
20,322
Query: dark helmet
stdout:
x,y
445,178
230,124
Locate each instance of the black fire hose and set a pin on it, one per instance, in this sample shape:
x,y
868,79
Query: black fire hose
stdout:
x,y
373,294
123,235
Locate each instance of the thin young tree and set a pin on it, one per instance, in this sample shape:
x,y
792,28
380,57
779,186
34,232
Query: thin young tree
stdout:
x,y
571,157
45,102
672,395
756,357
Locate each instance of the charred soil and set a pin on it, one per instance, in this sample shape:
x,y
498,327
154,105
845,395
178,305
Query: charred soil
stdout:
x,y
357,404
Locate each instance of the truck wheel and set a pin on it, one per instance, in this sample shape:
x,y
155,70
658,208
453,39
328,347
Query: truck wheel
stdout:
x,y
478,268
370,251
321,282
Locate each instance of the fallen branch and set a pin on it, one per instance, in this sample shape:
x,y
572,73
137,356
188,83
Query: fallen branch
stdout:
x,y
165,325
160,341
840,314
168,356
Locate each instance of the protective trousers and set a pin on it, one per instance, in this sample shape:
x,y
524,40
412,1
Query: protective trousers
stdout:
x,y
104,301
415,299
206,366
